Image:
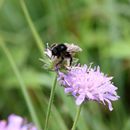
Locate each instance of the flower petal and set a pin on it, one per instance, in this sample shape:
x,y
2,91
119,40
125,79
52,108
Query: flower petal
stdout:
x,y
109,104
2,125
80,99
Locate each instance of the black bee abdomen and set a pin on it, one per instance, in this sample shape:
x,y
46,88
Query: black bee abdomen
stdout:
x,y
61,47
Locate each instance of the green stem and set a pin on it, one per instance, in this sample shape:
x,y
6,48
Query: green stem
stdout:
x,y
1,3
32,27
50,102
22,85
76,117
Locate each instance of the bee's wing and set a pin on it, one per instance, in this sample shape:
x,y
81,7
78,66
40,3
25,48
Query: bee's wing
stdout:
x,y
53,45
73,48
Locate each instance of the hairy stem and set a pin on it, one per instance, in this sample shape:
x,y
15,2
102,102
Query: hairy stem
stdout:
x,y
50,102
76,117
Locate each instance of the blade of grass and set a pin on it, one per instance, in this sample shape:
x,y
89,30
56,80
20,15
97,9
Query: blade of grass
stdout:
x,y
1,3
32,27
22,84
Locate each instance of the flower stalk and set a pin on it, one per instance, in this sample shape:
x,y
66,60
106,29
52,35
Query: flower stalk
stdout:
x,y
50,102
76,117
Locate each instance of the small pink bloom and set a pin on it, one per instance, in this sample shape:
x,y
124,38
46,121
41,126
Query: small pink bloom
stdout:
x,y
15,122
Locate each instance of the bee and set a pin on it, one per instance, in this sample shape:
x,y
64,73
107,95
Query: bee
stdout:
x,y
62,52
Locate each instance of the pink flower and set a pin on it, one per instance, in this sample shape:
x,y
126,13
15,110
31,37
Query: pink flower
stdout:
x,y
86,83
16,123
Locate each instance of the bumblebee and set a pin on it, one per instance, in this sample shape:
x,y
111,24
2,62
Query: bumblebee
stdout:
x,y
62,52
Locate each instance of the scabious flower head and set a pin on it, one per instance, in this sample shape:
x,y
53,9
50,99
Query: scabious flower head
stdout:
x,y
15,122
87,83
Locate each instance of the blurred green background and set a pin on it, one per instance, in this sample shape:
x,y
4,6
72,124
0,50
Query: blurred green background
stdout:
x,y
100,27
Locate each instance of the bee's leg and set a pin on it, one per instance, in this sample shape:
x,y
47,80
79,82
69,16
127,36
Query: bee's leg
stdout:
x,y
71,60
62,59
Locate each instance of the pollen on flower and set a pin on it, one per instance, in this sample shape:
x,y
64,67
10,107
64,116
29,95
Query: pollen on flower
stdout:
x,y
87,83
15,122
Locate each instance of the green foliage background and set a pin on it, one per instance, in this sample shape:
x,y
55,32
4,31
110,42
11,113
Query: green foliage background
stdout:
x,y
100,27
